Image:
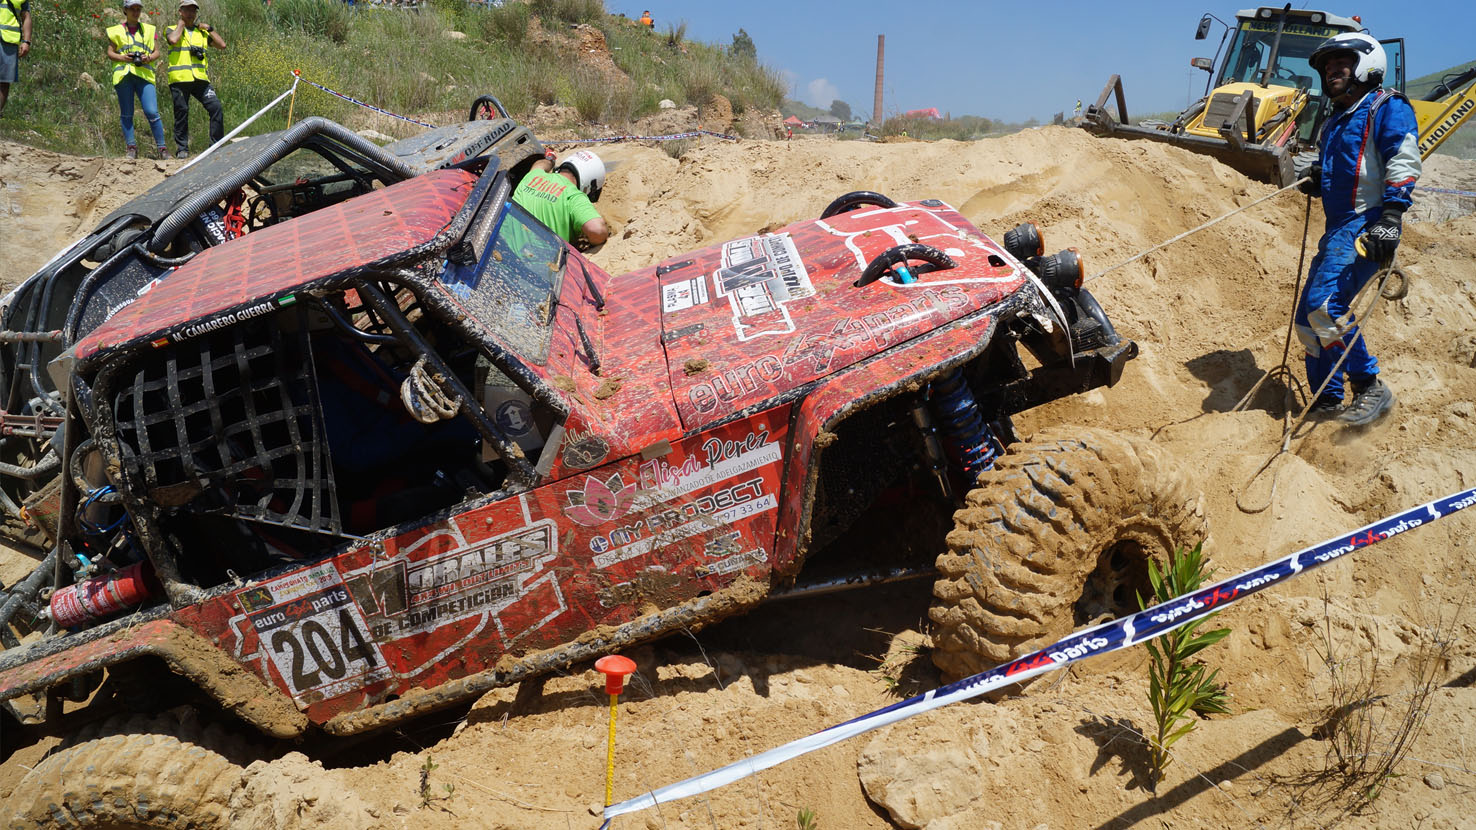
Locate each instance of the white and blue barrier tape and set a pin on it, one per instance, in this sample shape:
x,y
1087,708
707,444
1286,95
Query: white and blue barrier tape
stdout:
x,y
1420,187
1108,637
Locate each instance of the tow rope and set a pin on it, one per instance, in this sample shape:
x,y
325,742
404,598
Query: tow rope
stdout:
x,y
1106,638
1193,231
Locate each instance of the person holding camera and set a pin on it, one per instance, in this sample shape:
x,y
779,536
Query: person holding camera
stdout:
x,y
188,78
133,49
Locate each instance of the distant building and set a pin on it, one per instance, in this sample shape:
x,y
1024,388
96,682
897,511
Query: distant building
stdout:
x,y
828,123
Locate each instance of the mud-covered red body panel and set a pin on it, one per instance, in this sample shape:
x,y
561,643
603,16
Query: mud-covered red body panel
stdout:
x,y
245,275
746,321
510,577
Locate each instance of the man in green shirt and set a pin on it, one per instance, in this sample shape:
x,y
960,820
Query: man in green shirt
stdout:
x,y
562,197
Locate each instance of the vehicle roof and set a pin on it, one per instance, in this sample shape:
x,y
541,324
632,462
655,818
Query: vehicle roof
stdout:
x,y
268,264
1336,21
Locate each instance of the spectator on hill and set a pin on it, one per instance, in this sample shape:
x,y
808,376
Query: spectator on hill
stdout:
x,y
188,78
133,48
561,198
646,20
15,43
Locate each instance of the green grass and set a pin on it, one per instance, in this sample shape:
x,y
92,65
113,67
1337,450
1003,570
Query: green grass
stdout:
x,y
399,60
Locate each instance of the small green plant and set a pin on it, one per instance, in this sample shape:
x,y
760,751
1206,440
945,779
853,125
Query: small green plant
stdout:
x,y
1179,687
806,820
426,793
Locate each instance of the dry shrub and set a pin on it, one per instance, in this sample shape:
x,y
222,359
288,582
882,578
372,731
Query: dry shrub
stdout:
x,y
1368,728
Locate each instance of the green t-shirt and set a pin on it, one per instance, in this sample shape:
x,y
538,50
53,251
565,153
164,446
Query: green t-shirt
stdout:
x,y
556,202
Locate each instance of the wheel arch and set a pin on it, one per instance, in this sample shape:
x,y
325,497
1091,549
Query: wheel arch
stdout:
x,y
186,653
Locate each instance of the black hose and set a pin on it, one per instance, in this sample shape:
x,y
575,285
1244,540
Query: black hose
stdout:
x,y
854,200
899,255
287,141
27,588
48,464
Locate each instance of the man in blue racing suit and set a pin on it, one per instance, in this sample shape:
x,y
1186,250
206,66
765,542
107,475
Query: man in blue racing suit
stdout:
x,y
1367,165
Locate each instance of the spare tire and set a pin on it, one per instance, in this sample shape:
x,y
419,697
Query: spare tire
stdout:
x,y
133,771
1057,536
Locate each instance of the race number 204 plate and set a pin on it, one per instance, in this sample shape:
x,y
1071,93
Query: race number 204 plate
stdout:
x,y
314,633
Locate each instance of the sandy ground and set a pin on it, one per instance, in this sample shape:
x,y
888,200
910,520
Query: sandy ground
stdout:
x,y
1210,314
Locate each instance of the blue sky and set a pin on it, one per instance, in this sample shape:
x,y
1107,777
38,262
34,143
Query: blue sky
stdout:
x,y
1020,60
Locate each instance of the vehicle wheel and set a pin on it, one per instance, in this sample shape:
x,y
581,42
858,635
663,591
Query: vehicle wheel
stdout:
x,y
1056,536
133,771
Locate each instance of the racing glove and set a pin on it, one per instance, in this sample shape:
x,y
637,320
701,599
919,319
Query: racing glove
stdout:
x,y
1382,237
1313,186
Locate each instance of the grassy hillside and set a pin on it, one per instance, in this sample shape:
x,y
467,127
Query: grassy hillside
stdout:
x,y
404,61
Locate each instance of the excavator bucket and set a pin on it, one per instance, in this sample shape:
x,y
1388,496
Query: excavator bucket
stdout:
x,y
1236,145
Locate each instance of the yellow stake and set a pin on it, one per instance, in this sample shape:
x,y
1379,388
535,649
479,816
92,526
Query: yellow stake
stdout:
x,y
610,755
615,668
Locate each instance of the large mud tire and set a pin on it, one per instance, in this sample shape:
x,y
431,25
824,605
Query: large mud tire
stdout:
x,y
133,771
1057,535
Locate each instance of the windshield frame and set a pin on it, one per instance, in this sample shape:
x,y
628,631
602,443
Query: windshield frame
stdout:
x,y
504,283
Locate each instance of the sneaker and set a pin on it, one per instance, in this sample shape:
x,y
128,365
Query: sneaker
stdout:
x,y
1325,408
1369,404
131,152
182,154
163,152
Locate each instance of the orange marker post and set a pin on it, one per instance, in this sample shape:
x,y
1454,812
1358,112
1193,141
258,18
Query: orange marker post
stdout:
x,y
615,668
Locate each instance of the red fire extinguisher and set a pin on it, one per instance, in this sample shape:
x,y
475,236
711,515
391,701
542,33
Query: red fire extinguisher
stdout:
x,y
96,599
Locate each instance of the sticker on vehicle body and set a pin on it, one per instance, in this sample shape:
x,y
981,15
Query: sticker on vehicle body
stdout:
x,y
313,632
681,295
463,581
759,275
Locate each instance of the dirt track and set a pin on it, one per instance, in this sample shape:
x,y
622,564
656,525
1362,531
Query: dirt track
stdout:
x,y
1210,315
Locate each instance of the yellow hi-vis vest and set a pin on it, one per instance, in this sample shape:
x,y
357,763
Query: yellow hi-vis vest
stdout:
x,y
10,25
126,43
182,65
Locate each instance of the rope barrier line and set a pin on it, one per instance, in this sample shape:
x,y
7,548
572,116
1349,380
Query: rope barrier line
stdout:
x,y
297,73
1193,231
669,137
1108,637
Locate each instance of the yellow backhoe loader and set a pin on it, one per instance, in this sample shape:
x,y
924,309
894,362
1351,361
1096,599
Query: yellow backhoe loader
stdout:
x,y
1266,101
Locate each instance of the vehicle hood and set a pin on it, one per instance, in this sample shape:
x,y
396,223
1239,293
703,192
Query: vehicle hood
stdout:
x,y
752,320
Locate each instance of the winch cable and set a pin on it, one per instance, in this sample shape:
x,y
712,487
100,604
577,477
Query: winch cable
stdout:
x,y
1381,279
1193,231
1283,370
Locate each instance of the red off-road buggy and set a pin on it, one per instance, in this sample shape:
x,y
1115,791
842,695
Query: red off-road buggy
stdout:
x,y
379,459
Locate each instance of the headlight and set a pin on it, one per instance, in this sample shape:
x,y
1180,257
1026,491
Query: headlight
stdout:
x,y
1023,241
1061,271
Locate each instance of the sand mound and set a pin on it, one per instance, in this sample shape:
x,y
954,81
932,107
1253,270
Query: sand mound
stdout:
x,y
1210,315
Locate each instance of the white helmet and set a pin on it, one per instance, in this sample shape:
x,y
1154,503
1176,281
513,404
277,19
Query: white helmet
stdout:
x,y
589,172
1372,62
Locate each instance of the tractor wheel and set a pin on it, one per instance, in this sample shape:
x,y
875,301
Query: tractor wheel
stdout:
x,y
133,771
1056,536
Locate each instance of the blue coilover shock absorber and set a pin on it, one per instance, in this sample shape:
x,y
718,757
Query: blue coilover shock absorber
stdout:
x,y
969,439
